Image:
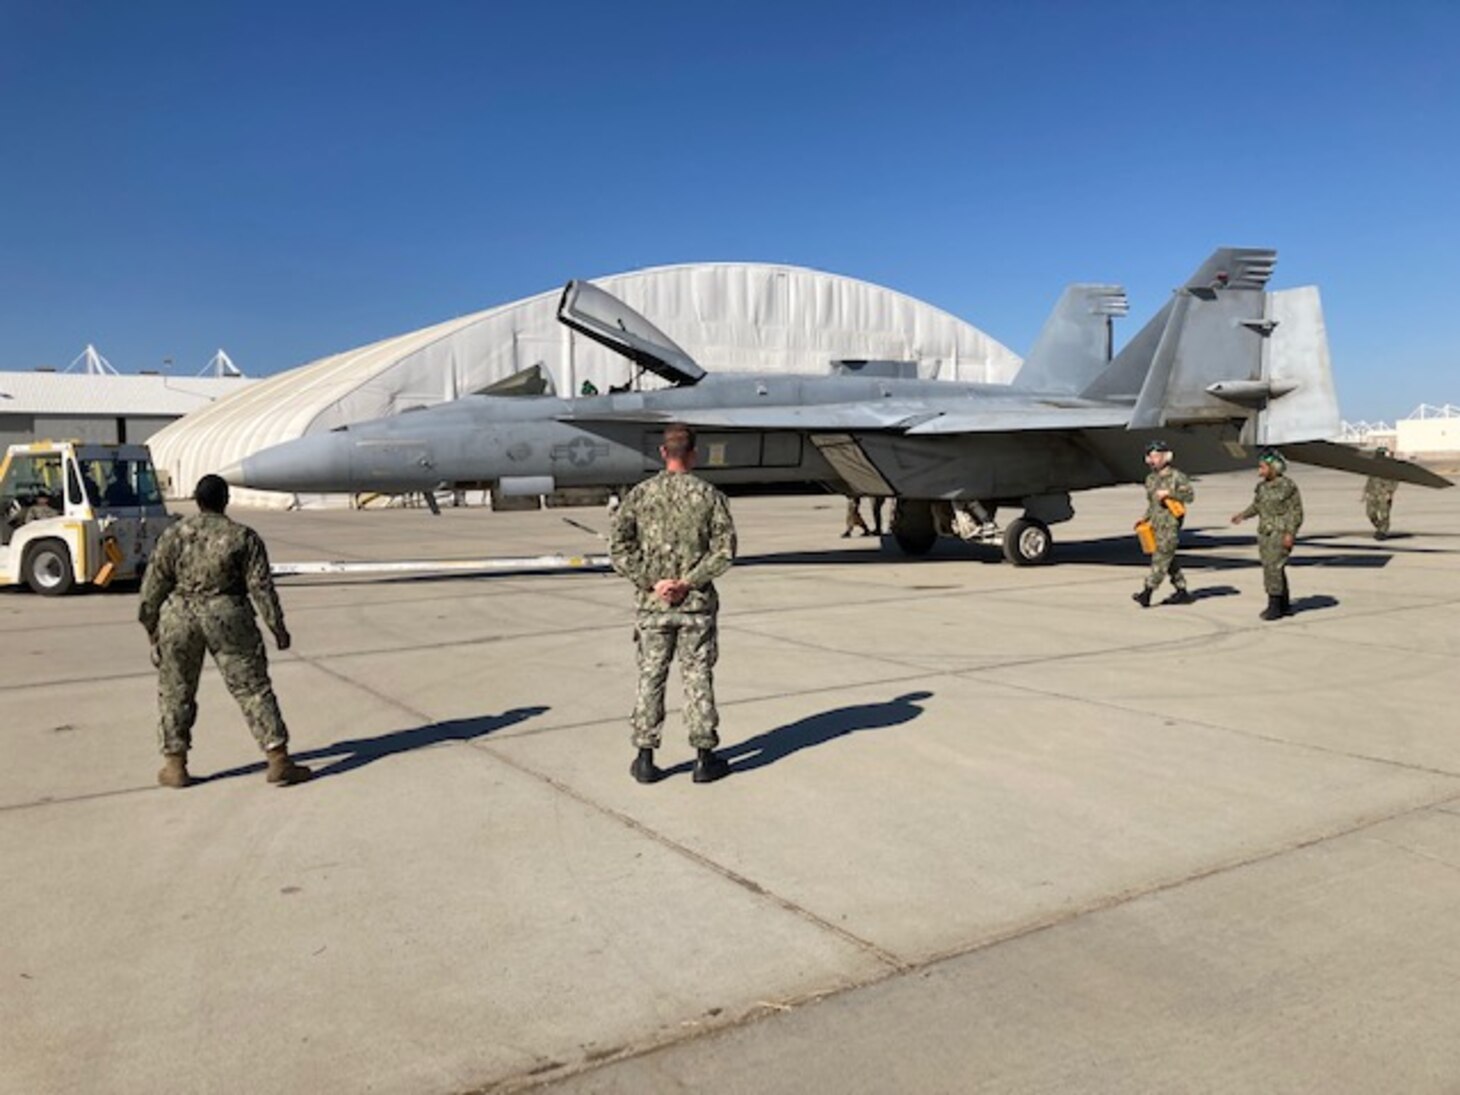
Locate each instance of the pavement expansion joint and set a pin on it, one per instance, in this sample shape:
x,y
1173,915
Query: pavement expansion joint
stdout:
x,y
1253,735
769,1010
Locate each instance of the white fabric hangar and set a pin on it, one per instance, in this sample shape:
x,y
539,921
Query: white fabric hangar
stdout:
x,y
731,317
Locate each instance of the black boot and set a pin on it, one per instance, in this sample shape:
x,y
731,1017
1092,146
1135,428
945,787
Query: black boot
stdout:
x,y
1143,598
1180,597
1274,608
710,766
644,769
1285,601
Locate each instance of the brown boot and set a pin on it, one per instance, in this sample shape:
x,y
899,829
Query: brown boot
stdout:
x,y
174,770
283,770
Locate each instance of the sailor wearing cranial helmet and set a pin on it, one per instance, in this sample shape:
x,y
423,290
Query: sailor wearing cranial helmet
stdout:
x,y
1278,506
1168,493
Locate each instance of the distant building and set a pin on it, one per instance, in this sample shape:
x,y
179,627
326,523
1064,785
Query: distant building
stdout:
x,y
1368,435
103,407
1429,431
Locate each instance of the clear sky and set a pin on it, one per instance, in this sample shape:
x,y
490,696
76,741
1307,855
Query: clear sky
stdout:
x,y
287,180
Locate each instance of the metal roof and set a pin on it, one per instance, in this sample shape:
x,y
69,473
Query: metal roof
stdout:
x,y
106,394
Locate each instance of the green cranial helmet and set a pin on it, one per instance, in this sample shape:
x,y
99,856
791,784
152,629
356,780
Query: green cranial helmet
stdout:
x,y
1275,458
1157,446
1382,450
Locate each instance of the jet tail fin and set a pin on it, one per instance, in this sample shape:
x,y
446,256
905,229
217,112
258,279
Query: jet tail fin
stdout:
x,y
1151,355
1224,349
1075,345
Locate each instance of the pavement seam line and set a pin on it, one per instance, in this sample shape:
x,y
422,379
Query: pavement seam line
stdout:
x,y
1253,735
863,945
1061,919
866,946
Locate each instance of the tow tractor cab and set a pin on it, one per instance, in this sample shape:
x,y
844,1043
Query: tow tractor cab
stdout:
x,y
75,514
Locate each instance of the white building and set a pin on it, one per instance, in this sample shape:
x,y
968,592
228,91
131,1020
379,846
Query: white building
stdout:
x,y
738,317
101,407
1429,431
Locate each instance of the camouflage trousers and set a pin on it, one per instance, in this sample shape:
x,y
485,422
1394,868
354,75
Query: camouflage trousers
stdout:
x,y
224,627
1379,513
1274,562
659,637
1163,560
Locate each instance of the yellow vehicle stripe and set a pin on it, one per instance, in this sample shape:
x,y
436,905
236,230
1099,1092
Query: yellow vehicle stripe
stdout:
x,y
80,531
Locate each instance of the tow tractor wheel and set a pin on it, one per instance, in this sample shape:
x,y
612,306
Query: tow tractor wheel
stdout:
x,y
1027,542
47,568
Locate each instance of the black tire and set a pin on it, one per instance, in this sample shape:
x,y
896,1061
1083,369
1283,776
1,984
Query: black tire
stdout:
x,y
915,543
47,568
1027,542
914,528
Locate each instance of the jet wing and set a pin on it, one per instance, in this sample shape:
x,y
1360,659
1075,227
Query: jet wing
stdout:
x,y
1330,454
917,417
1024,416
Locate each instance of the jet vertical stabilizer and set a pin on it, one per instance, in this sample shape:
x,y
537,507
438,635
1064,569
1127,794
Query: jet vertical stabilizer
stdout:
x,y
1074,346
1156,357
1302,404
1208,365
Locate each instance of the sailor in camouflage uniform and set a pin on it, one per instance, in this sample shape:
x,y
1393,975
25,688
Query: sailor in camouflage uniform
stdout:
x,y
1379,499
1164,486
195,598
1278,506
672,536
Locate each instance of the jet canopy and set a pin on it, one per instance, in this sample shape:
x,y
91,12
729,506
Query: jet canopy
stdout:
x,y
605,319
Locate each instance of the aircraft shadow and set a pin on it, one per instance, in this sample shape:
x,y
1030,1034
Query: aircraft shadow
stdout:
x,y
350,754
774,745
1199,551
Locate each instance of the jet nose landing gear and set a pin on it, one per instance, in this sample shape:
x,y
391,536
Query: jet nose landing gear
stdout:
x,y
1027,542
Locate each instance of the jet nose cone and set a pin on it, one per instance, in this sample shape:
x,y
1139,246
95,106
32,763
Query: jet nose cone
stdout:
x,y
317,462
233,474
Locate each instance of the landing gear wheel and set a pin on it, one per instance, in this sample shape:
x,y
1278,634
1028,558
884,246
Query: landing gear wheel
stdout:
x,y
915,543
47,568
1027,542
914,527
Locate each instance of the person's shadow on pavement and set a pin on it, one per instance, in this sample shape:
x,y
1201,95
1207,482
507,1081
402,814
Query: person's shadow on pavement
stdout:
x,y
813,730
357,752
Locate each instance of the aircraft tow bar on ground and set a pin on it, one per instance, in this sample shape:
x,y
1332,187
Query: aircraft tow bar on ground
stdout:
x,y
522,564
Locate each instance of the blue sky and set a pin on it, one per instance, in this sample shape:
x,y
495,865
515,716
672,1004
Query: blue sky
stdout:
x,y
290,180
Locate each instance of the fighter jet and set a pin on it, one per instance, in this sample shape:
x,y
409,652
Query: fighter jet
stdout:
x,y
1225,368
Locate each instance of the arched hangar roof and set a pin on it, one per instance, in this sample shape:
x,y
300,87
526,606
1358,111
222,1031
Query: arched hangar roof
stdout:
x,y
741,317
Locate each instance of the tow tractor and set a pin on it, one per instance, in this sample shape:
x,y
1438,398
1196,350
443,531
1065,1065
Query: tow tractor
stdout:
x,y
77,514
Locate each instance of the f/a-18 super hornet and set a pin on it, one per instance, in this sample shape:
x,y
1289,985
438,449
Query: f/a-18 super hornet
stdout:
x,y
1224,368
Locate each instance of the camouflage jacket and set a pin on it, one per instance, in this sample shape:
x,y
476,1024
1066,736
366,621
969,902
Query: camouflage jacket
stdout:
x,y
1379,490
1278,506
1176,484
205,556
673,526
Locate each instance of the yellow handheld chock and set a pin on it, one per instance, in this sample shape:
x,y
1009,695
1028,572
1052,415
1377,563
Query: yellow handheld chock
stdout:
x,y
1147,536
1176,506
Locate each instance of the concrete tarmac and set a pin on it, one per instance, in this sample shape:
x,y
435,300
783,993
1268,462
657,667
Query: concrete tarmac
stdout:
x,y
989,828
